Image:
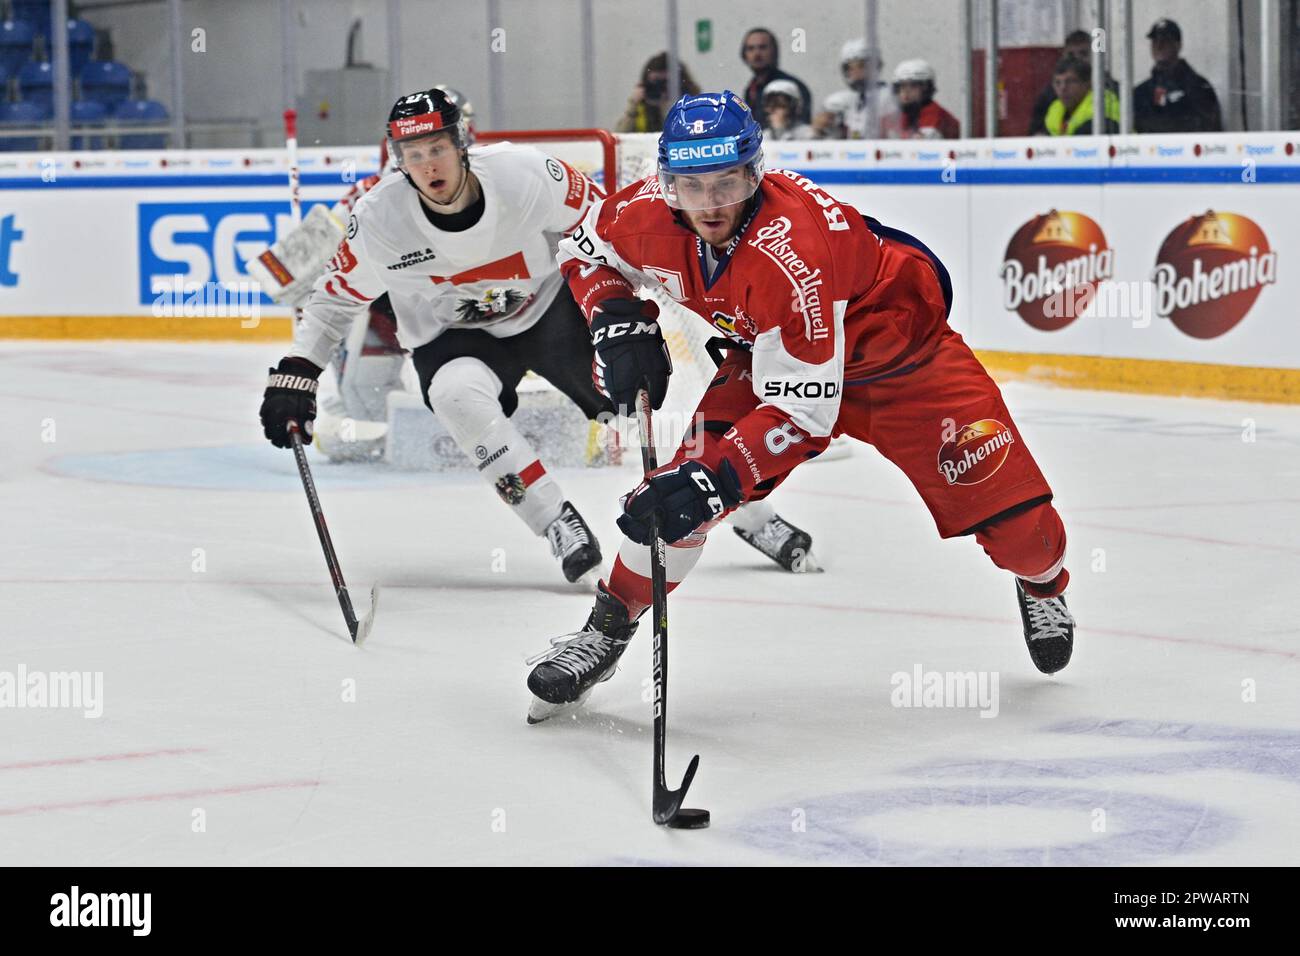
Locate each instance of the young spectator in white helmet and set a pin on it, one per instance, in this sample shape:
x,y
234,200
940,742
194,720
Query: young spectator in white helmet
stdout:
x,y
782,105
856,112
918,115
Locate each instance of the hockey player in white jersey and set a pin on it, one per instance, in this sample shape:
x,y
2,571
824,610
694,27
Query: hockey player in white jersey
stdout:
x,y
463,244
369,363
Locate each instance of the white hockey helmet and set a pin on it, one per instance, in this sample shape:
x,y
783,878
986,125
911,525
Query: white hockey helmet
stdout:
x,y
914,71
784,88
858,50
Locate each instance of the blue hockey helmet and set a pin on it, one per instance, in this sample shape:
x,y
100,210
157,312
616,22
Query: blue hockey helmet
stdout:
x,y
706,134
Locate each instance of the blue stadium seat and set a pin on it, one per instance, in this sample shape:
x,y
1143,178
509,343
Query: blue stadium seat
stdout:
x,y
36,84
88,111
16,37
146,113
106,82
36,12
81,43
22,114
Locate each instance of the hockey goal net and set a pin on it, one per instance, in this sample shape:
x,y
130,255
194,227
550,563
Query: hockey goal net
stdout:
x,y
612,161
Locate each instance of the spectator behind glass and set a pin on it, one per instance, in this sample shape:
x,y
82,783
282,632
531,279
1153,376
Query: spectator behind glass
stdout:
x,y
857,112
1078,46
1071,112
760,53
781,103
649,100
918,116
1176,99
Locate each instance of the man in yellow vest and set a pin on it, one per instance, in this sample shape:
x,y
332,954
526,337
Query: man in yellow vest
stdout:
x,y
1071,112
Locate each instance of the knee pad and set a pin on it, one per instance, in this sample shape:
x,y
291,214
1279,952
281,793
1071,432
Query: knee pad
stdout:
x,y
1030,542
464,394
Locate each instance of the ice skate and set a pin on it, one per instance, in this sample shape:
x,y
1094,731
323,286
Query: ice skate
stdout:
x,y
1049,629
573,544
785,544
566,672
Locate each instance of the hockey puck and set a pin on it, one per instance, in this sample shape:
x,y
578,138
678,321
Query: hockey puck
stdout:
x,y
690,820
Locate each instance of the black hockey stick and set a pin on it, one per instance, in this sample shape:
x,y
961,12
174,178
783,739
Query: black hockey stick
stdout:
x,y
359,630
666,804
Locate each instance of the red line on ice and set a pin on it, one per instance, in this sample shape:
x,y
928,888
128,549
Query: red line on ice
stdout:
x,y
100,406
1069,523
939,615
1250,502
154,797
1200,539
101,758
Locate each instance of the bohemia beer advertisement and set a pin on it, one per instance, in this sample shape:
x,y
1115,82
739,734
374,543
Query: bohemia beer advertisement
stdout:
x,y
1209,272
1140,283
1052,265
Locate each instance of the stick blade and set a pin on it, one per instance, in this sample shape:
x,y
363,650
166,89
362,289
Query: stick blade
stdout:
x,y
366,623
668,803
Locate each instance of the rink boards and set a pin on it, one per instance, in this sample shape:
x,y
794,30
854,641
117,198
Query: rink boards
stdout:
x,y
1164,264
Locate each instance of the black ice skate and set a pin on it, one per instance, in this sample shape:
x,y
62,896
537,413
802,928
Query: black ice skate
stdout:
x,y
575,663
1049,629
573,543
785,544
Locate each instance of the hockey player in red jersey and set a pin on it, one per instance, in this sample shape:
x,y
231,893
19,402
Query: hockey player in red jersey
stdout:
x,y
839,326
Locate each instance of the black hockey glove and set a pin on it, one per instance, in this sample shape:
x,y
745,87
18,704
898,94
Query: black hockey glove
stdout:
x,y
630,353
290,395
686,496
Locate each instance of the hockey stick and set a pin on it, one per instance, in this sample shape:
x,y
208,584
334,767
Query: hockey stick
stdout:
x,y
666,804
359,630
295,197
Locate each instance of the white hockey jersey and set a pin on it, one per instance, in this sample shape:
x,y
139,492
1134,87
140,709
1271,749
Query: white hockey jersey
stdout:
x,y
499,275
861,113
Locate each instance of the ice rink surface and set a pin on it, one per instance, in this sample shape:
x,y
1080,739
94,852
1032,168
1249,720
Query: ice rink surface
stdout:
x,y
159,540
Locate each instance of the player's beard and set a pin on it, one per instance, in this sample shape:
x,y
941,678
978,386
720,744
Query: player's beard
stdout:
x,y
718,226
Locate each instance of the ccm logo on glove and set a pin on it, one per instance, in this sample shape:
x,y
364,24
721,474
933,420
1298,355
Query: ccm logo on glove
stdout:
x,y
630,353
617,329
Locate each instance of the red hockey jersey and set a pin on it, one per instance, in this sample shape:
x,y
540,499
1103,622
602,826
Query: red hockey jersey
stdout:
x,y
820,299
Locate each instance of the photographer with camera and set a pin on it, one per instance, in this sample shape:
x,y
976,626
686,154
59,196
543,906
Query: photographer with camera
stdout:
x,y
649,100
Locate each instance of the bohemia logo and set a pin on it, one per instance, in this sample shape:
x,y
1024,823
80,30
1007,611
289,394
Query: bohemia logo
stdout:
x,y
1061,255
975,452
1209,272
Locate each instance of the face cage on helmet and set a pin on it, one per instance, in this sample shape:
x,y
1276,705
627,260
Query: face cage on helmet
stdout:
x,y
460,140
710,196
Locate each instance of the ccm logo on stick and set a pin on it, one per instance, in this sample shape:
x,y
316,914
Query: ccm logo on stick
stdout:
x,y
785,388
